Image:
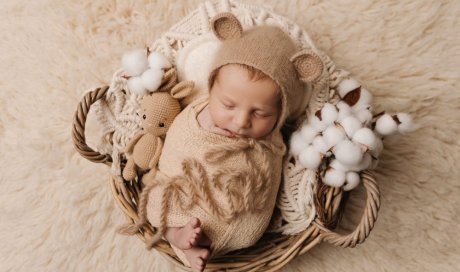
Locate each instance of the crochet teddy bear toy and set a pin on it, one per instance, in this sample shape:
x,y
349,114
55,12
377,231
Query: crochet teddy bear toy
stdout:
x,y
157,111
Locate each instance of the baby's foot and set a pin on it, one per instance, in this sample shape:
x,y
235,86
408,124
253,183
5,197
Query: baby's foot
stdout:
x,y
197,257
187,236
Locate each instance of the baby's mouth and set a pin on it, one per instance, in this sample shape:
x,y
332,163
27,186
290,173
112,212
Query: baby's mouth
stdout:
x,y
231,133
234,134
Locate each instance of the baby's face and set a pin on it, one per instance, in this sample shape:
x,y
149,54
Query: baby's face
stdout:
x,y
243,107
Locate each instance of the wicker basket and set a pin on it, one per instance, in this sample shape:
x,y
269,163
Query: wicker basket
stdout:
x,y
273,250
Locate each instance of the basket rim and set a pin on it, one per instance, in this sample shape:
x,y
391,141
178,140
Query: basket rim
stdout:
x,y
331,200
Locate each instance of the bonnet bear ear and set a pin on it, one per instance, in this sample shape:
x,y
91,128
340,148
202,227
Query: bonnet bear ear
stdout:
x,y
308,65
226,26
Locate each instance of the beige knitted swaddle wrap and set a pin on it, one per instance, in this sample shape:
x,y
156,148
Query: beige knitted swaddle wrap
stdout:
x,y
233,209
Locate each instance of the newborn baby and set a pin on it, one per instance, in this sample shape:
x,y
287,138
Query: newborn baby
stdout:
x,y
221,163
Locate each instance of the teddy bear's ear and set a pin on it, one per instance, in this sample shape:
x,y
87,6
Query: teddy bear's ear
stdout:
x,y
182,89
308,65
226,26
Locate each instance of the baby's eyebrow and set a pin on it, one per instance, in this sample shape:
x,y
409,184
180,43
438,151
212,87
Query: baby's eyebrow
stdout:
x,y
264,107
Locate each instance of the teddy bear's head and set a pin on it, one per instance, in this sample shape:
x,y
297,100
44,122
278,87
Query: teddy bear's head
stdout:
x,y
158,110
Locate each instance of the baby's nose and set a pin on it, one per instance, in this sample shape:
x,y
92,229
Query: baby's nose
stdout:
x,y
243,120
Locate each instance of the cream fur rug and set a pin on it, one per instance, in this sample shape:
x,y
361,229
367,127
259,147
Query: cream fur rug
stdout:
x,y
56,209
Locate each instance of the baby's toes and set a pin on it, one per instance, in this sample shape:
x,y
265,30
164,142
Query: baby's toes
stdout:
x,y
188,245
193,241
195,222
199,262
197,230
204,255
195,237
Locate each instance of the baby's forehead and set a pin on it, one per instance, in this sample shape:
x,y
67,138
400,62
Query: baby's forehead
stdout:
x,y
269,101
238,82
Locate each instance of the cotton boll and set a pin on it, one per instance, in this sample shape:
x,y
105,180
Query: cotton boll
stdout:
x,y
343,106
317,124
366,137
347,85
350,124
378,147
333,135
352,180
407,124
386,125
308,133
365,98
321,126
152,79
313,119
136,86
357,108
339,166
158,60
374,163
320,145
348,153
364,115
329,114
135,62
365,163
310,158
344,111
334,177
297,144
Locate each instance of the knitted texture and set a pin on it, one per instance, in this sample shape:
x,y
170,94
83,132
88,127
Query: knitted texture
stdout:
x,y
235,182
161,108
157,112
272,51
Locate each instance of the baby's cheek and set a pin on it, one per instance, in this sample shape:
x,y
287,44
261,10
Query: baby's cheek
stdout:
x,y
219,117
272,120
268,125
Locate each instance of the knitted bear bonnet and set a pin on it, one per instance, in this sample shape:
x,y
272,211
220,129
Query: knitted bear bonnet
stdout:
x,y
272,51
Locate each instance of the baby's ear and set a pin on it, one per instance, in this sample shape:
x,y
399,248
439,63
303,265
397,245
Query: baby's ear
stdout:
x,y
182,89
226,26
308,65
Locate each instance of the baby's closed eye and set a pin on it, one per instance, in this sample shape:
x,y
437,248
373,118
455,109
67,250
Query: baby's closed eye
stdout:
x,y
227,104
228,107
262,114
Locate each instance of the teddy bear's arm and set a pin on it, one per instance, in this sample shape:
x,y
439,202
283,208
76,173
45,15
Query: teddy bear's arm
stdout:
x,y
156,156
129,147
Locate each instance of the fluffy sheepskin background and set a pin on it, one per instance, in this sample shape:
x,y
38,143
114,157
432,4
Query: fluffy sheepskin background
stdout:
x,y
56,209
